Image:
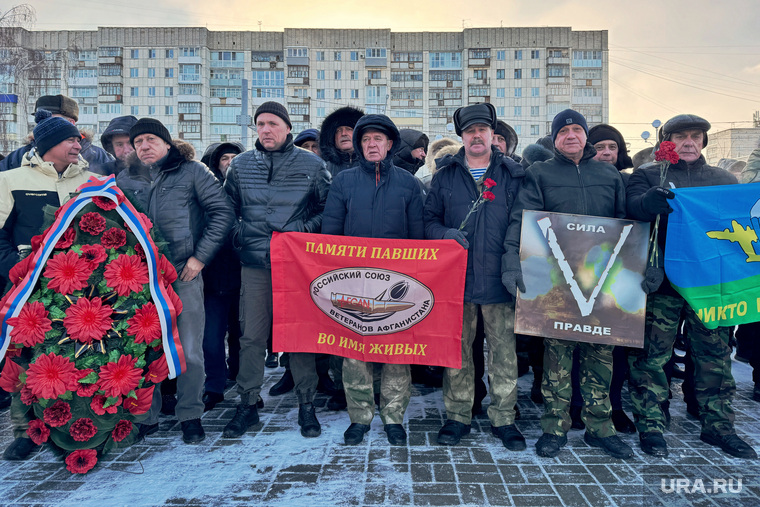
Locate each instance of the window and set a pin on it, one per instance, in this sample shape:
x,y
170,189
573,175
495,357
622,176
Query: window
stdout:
x,y
354,74
320,56
479,54
151,53
168,91
445,60
518,111
337,75
134,54
151,72
354,94
227,59
404,76
82,73
518,54
535,54
226,92
501,111
535,73
301,93
266,56
501,73
557,71
501,55
518,129
134,72
320,112
190,89
354,56
534,130
376,53
110,108
478,91
269,93
110,69
587,58
376,74
151,91
190,72
298,52
151,110
320,93
534,92
299,109
480,74
375,94
224,114
135,110
518,92
337,56
189,107
407,57
298,71
133,92
534,110
268,78
337,94
168,72
110,89
445,75
320,75
169,53
189,52
518,73
500,92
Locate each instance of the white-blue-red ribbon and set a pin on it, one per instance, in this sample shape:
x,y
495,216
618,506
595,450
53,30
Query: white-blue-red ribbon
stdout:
x,y
97,187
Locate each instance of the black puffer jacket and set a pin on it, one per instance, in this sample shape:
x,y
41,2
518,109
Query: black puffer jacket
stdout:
x,y
283,190
681,175
559,185
185,202
337,161
409,141
452,193
374,200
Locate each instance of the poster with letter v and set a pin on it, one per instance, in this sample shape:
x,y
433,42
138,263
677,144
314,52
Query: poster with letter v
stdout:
x,y
378,300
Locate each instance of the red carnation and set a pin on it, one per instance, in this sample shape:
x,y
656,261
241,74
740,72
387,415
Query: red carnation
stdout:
x,y
121,377
175,300
57,414
122,430
83,429
67,239
142,403
488,195
98,402
667,152
94,255
114,238
87,320
31,324
20,270
139,251
94,223
489,183
38,432
81,461
27,398
9,380
167,270
105,203
158,370
67,272
126,274
51,375
87,390
145,325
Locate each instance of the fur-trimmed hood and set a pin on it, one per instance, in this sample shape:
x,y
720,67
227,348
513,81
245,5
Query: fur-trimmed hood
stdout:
x,y
344,116
535,153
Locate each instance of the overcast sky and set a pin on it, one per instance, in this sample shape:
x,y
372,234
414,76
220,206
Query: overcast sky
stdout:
x,y
665,57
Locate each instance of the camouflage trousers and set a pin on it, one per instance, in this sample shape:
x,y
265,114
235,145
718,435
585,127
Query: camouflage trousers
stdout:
x,y
459,384
714,383
395,391
557,388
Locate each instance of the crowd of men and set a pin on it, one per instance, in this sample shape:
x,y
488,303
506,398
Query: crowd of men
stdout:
x,y
355,176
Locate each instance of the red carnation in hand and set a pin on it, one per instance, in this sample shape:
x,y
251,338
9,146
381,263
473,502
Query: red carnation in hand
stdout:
x,y
142,403
105,203
94,255
87,320
51,375
117,379
145,325
98,402
67,273
67,239
94,223
489,183
9,381
158,370
38,432
81,461
126,274
167,270
667,152
57,414
20,270
31,324
114,238
488,195
83,429
122,430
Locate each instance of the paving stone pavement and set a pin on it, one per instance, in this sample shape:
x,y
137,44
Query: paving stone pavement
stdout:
x,y
273,465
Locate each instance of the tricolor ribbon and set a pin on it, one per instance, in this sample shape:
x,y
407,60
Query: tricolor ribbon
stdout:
x,y
97,187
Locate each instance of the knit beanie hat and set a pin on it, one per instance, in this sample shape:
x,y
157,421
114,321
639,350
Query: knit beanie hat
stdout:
x,y
306,135
604,132
149,126
51,130
274,108
567,117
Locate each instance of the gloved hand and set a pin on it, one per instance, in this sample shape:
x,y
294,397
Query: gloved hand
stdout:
x,y
513,280
458,236
655,200
653,278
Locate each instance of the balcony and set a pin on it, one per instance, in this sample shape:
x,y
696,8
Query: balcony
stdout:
x,y
237,83
377,82
189,78
560,60
190,59
110,98
271,65
478,81
110,59
110,79
479,62
297,80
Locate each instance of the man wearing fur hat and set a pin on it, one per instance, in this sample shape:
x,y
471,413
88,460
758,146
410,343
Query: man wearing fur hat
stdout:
x,y
711,353
274,187
48,176
336,138
190,208
66,108
458,182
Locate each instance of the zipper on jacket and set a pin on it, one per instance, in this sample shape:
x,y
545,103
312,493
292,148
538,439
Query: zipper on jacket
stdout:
x,y
583,189
377,174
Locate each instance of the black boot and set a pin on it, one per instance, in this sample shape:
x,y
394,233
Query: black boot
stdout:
x,y
577,421
19,449
284,385
337,402
245,417
272,360
307,420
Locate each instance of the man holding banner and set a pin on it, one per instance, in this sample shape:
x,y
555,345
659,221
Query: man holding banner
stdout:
x,y
715,387
375,199
476,172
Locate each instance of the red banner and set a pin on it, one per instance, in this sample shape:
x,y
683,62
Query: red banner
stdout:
x,y
377,300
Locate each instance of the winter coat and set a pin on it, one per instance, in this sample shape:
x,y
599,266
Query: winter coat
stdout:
x,y
560,186
216,154
24,192
337,160
681,175
135,181
408,141
92,154
282,190
374,199
751,171
452,193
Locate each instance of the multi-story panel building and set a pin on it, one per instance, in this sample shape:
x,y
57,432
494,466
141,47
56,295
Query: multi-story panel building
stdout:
x,y
192,78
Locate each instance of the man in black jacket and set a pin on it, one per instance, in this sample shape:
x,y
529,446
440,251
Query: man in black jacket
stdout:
x,y
458,183
274,187
190,208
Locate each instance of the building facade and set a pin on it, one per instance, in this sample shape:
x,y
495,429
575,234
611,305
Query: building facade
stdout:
x,y
192,78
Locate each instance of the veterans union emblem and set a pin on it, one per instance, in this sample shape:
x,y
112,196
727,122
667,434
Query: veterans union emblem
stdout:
x,y
372,301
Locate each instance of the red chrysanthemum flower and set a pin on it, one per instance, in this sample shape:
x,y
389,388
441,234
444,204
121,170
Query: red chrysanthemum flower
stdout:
x,y
142,403
67,272
175,300
31,324
122,430
489,183
67,239
81,461
51,375
9,381
93,223
168,273
157,371
27,398
145,325
83,429
117,379
488,195
87,320
126,274
105,203
58,414
114,238
94,255
20,270
98,402
38,432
